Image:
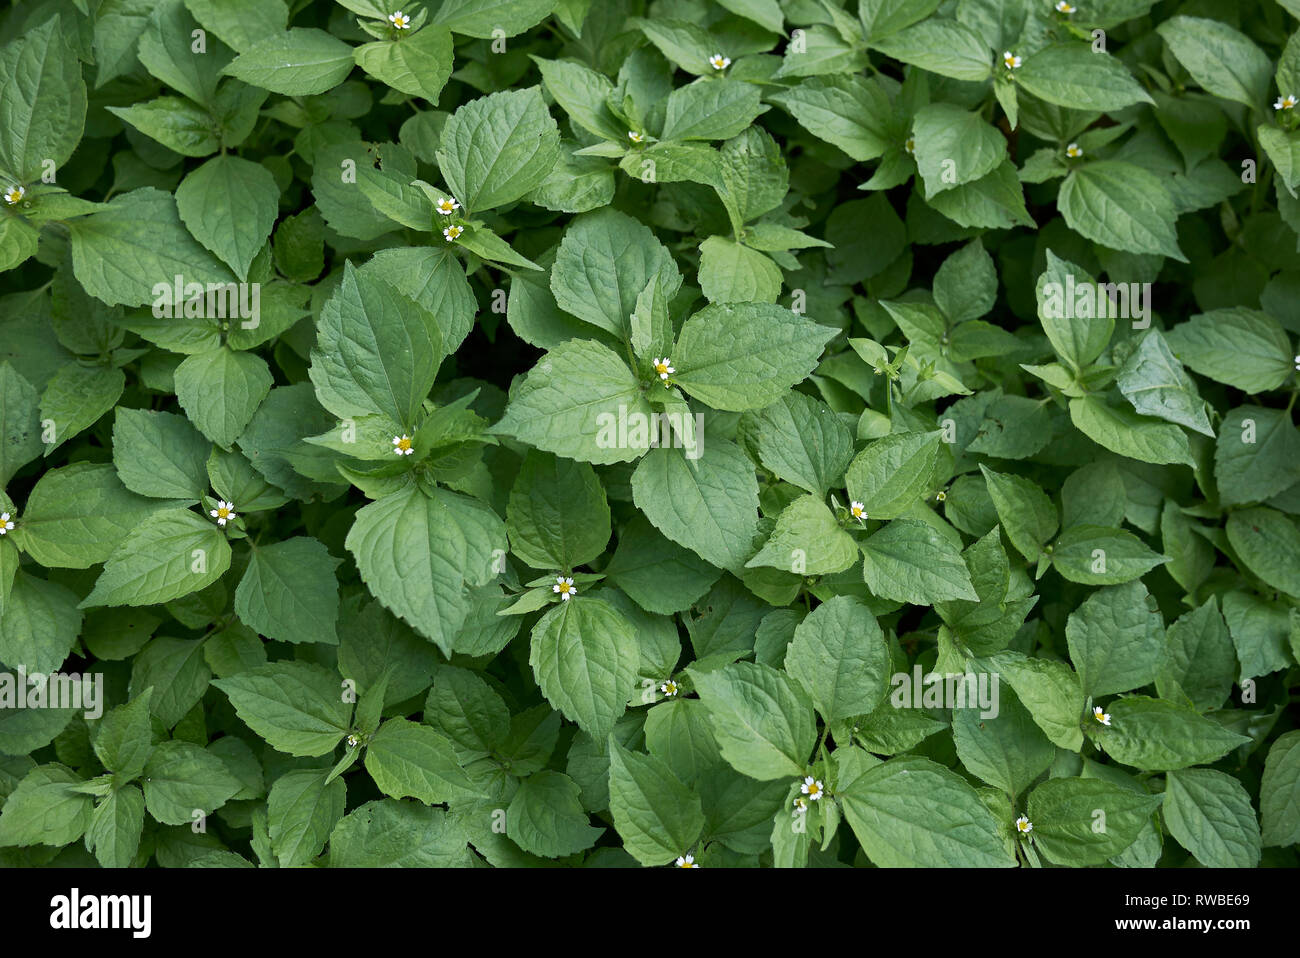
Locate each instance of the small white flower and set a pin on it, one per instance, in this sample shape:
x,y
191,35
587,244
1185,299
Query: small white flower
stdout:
x,y
812,788
452,232
1074,151
1065,8
6,523
1297,362
940,496
402,445
1010,60
719,62
800,805
1100,716
686,861
1287,102
400,20
224,512
565,587
1024,826
446,205
910,145
635,137
857,510
353,741
669,688
664,367
14,195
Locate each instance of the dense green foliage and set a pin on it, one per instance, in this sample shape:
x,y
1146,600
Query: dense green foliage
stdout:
x,y
522,432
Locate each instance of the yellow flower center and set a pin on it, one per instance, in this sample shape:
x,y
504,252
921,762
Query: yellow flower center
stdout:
x,y
814,789
403,444
223,512
564,588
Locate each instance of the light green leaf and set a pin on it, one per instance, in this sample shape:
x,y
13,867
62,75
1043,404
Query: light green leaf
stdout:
x,y
220,390
407,759
299,708
1120,205
584,655
1210,815
1157,735
840,656
498,148
289,592
657,816
909,812
763,721
299,62
908,560
169,554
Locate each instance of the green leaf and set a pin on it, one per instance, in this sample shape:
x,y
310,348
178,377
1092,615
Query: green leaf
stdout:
x,y
1279,792
1199,659
1078,76
708,504
1268,544
301,812
1122,206
711,109
169,554
1116,639
416,551
1123,431
1068,829
1096,555
893,472
1027,515
584,655
392,834
762,720
801,441
953,146
1241,347
582,402
1210,815
850,112
546,817
499,148
1257,455
159,454
945,47
289,592
840,656
20,425
42,100
1007,750
604,262
75,397
807,539
377,351
129,253
732,273
116,826
124,739
243,26
557,517
1156,735
909,812
1222,60
908,560
299,708
657,816
1051,692
220,390
181,778
1155,383
45,809
299,62
1077,330
40,625
230,205
406,759
419,65
78,514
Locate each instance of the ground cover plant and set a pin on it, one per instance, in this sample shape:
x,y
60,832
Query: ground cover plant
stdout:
x,y
714,434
